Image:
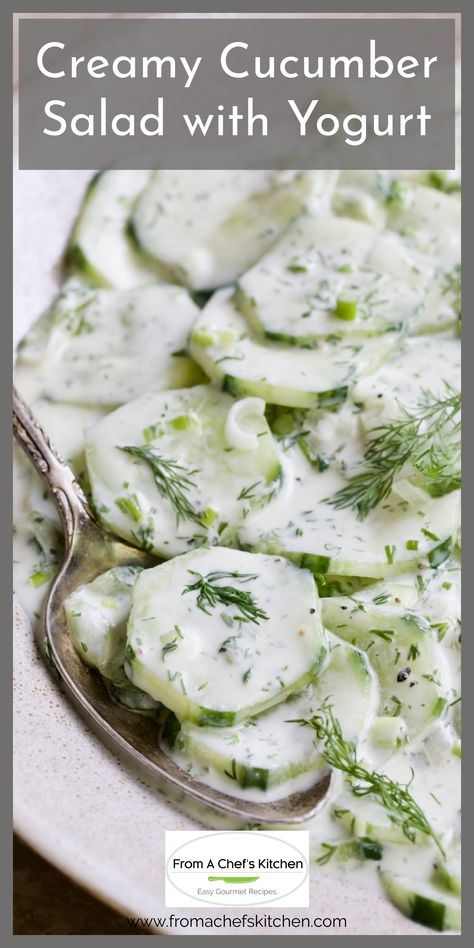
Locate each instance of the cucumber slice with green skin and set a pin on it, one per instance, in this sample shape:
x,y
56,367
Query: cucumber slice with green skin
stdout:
x,y
100,248
394,538
209,660
391,593
166,473
440,602
427,217
97,616
321,279
422,364
404,652
238,215
340,439
423,902
108,346
362,822
436,282
434,595
422,257
133,698
387,731
272,748
221,344
65,425
430,223
448,873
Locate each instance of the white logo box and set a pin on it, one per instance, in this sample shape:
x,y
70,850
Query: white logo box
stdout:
x,y
239,868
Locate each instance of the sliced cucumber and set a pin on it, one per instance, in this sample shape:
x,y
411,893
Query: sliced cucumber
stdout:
x,y
166,473
341,439
126,694
440,602
423,256
205,227
107,346
423,902
423,364
403,591
262,752
448,872
211,660
388,731
222,345
430,222
358,195
370,821
100,247
31,348
326,276
271,748
394,538
421,206
97,616
403,651
64,423
447,181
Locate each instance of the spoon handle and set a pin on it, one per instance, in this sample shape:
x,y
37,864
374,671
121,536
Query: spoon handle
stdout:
x,y
70,500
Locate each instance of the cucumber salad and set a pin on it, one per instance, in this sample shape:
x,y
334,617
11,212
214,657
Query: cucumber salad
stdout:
x,y
255,376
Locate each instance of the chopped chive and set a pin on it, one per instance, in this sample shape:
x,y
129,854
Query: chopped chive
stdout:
x,y
431,536
297,268
390,553
41,577
130,506
346,309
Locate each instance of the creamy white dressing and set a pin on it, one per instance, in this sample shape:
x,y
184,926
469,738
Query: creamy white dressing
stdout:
x,y
100,247
328,276
301,523
205,227
191,427
183,646
107,346
302,378
402,553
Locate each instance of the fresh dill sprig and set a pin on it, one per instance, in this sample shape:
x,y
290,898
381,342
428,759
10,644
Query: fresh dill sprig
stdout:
x,y
172,480
427,436
340,754
211,594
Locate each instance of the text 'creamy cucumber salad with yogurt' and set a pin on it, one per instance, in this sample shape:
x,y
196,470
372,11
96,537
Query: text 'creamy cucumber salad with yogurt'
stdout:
x,y
255,376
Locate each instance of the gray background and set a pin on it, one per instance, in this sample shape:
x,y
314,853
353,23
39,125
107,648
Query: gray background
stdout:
x,y
211,89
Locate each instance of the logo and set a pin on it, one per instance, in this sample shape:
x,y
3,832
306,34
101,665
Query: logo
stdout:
x,y
237,868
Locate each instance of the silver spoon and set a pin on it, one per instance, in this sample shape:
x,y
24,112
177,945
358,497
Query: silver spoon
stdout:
x,y
89,551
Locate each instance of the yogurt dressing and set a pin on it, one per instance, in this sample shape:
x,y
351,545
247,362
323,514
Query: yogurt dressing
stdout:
x,y
299,523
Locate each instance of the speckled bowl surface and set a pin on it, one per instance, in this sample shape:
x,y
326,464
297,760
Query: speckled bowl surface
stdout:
x,y
75,802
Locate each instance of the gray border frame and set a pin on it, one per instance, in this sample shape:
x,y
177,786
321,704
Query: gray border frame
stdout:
x,y
291,7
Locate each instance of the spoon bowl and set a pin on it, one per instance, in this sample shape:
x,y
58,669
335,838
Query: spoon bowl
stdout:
x,y
90,551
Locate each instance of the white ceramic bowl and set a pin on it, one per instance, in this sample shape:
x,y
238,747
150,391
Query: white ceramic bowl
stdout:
x,y
74,801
